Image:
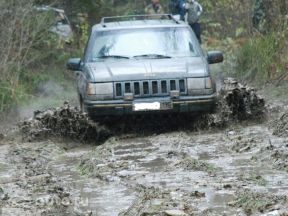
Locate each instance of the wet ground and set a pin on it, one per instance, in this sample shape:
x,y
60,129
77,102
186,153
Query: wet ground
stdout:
x,y
240,169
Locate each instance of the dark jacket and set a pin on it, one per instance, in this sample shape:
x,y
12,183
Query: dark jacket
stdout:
x,y
177,8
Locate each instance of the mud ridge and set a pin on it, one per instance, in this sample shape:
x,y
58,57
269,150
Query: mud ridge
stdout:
x,y
154,201
280,126
38,191
252,202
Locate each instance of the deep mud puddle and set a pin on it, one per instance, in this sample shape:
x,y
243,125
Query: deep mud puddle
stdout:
x,y
240,170
200,174
100,196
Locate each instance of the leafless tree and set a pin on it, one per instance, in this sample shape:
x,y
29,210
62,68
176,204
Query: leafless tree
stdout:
x,y
21,30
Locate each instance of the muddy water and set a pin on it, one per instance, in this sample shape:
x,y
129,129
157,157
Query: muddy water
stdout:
x,y
91,194
240,170
231,160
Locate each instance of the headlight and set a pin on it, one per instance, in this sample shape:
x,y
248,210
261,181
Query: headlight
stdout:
x,y
208,83
199,86
91,89
100,91
195,83
199,83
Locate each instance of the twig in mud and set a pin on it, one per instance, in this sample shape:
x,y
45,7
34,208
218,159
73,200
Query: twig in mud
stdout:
x,y
280,126
281,78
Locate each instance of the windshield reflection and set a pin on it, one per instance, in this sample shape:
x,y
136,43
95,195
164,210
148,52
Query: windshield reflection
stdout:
x,y
154,43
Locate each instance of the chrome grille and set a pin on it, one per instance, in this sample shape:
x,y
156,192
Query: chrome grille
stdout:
x,y
118,90
150,87
128,88
173,85
154,87
145,88
137,90
164,88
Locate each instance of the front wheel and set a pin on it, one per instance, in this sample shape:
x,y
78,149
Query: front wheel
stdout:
x,y
83,108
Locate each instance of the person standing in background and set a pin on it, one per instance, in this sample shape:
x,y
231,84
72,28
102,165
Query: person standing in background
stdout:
x,y
176,7
194,11
154,8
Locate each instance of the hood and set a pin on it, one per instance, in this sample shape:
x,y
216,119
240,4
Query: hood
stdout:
x,y
121,70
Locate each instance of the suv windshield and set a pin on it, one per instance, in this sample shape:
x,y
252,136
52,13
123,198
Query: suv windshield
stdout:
x,y
143,43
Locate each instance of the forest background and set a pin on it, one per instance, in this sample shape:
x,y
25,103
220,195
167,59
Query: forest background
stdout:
x,y
253,34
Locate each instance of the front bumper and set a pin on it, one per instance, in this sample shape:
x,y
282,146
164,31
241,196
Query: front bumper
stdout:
x,y
205,103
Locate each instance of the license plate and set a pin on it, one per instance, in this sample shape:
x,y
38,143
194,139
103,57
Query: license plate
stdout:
x,y
152,106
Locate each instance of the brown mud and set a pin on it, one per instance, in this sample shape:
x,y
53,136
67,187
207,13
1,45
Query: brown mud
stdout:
x,y
181,166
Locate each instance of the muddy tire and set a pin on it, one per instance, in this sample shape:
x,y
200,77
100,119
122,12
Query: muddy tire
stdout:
x,y
83,108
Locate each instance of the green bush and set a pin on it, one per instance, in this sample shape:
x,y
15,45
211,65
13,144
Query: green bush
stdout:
x,y
258,59
30,54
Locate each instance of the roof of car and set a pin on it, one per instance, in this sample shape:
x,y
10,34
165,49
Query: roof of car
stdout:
x,y
119,23
49,8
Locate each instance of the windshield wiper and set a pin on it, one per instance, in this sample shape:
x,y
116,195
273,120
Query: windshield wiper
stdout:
x,y
156,56
112,56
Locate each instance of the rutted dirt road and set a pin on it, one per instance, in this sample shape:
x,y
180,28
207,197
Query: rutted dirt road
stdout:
x,y
241,169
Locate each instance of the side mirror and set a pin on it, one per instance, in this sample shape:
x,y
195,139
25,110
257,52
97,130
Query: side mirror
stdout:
x,y
214,57
74,64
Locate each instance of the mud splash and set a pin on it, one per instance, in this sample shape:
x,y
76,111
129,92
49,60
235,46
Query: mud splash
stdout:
x,y
236,102
65,121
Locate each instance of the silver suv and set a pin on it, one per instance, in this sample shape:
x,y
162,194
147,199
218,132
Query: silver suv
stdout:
x,y
143,64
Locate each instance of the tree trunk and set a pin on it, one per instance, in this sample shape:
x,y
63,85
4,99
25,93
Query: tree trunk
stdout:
x,y
272,13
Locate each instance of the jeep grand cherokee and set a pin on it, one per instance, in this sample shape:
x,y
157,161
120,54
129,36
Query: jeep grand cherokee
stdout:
x,y
141,64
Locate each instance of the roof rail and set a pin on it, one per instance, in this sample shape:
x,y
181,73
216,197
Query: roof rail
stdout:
x,y
105,20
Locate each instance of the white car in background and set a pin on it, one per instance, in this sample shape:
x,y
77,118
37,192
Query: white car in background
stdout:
x,y
61,26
